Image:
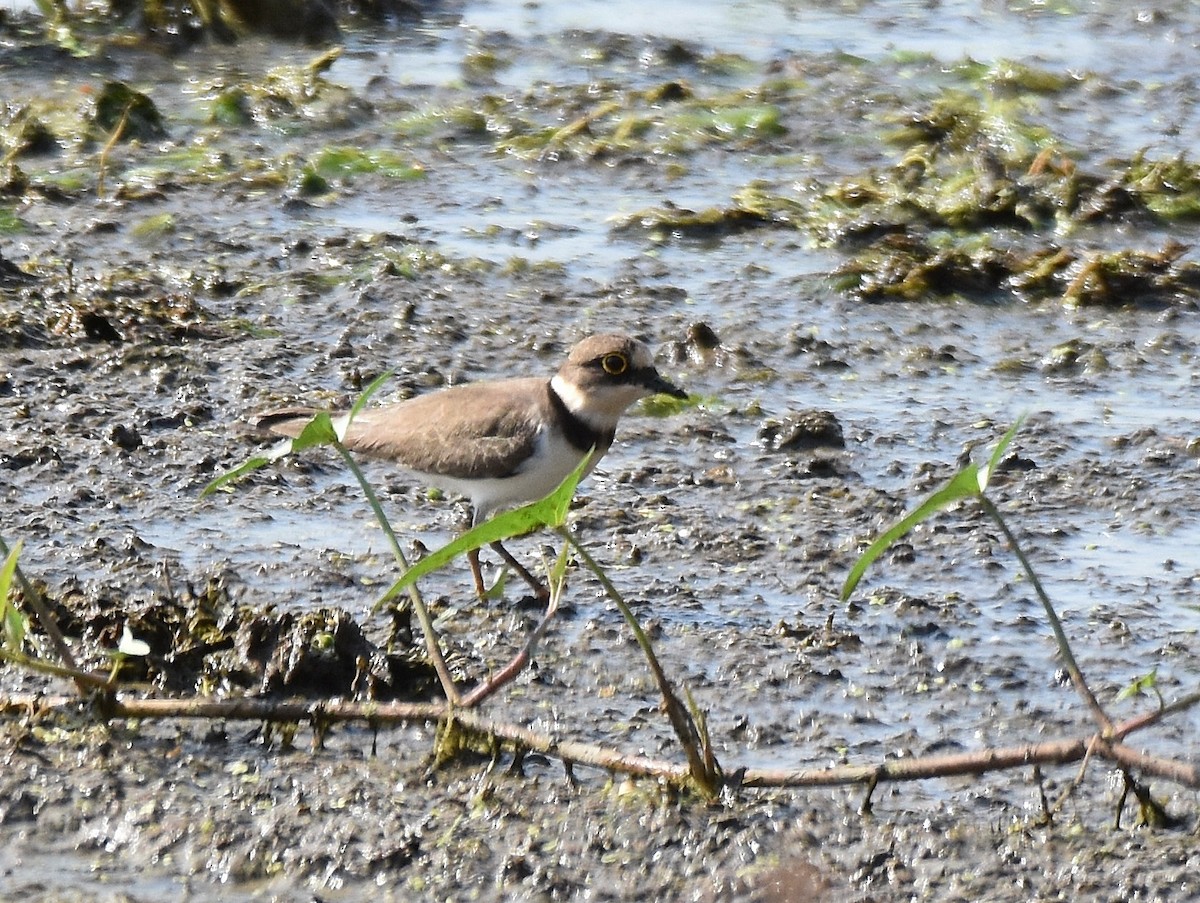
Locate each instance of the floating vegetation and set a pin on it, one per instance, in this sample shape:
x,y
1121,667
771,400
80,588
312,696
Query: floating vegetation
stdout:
x,y
667,119
669,221
959,214
443,122
980,199
1170,189
346,162
906,267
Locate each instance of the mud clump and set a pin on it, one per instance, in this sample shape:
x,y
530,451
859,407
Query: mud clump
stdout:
x,y
201,642
802,431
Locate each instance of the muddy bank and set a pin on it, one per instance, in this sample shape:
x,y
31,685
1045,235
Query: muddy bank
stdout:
x,y
307,222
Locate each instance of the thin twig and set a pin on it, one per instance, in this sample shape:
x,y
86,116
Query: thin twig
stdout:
x,y
1060,636
1080,774
919,768
704,767
418,603
1186,773
556,582
1054,752
41,611
109,145
1125,728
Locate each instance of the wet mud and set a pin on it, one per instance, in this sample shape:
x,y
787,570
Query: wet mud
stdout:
x,y
292,224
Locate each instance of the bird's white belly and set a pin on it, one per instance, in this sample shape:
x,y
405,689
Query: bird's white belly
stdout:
x,y
553,459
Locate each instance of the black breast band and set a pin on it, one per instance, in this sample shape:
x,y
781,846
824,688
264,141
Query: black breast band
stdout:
x,y
578,431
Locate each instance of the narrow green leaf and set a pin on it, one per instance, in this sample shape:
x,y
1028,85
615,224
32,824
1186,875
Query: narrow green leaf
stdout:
x,y
985,472
232,476
7,570
366,394
970,482
16,626
1139,685
964,484
558,572
15,623
550,511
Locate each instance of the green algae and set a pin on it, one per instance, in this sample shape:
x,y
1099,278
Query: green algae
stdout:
x,y
345,163
670,119
980,199
1170,189
462,121
193,163
10,221
980,202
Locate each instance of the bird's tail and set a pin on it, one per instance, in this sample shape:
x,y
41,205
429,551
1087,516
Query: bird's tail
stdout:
x,y
284,422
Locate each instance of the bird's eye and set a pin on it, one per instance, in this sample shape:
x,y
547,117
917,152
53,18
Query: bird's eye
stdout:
x,y
614,364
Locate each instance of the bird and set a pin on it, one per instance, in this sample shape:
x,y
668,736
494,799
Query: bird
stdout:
x,y
505,442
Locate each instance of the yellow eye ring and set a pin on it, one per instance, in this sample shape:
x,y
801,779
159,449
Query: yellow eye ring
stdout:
x,y
614,364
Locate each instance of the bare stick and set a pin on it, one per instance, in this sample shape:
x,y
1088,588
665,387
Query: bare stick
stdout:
x,y
326,712
1060,636
915,769
41,611
427,629
1185,773
1125,728
521,659
109,145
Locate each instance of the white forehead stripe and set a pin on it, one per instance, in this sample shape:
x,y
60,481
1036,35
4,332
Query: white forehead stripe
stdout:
x,y
642,358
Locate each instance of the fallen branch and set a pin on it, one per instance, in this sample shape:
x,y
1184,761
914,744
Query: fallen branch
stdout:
x,y
380,714
1057,752
1054,752
1125,728
1185,773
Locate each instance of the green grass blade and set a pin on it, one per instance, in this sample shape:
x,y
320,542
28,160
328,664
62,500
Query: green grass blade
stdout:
x,y
232,476
970,482
550,511
985,472
963,485
558,571
15,625
366,394
282,450
7,570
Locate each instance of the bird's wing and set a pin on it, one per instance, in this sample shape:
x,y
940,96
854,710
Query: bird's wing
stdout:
x,y
479,429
